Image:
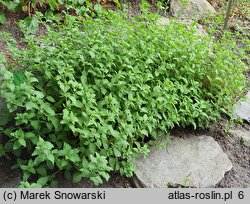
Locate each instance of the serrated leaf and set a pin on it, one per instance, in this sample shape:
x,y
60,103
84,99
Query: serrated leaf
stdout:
x,y
42,181
78,104
97,7
49,110
81,1
31,24
92,148
53,4
35,185
50,98
85,172
40,158
105,175
26,176
3,19
117,153
92,158
29,105
51,158
34,139
16,145
42,171
66,146
96,180
35,124
22,141
112,162
77,177
144,132
19,78
10,5
114,133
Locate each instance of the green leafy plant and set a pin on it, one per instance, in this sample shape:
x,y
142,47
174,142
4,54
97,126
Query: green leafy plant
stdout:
x,y
10,5
28,6
91,95
236,22
187,179
73,7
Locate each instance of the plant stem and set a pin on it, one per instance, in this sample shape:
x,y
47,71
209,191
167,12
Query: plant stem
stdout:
x,y
230,4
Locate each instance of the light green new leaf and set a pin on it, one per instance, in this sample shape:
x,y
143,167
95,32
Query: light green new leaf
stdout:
x,y
3,19
42,181
22,141
53,4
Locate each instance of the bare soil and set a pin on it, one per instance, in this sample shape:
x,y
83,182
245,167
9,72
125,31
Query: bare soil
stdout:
x,y
239,154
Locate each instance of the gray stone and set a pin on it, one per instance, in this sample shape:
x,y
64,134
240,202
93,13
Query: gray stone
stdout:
x,y
243,134
192,9
195,161
242,110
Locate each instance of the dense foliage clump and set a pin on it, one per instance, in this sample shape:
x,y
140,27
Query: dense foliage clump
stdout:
x,y
90,95
73,7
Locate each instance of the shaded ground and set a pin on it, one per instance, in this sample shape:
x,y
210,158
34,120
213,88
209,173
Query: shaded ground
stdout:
x,y
116,181
10,26
8,178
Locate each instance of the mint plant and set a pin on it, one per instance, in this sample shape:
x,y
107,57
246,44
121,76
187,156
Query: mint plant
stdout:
x,y
90,95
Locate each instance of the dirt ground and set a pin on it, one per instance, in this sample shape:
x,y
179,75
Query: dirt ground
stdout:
x,y
237,151
239,154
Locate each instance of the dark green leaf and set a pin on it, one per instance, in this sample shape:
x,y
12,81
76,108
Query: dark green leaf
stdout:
x,y
19,78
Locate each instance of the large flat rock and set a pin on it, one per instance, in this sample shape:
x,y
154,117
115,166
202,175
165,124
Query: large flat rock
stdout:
x,y
242,110
195,161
